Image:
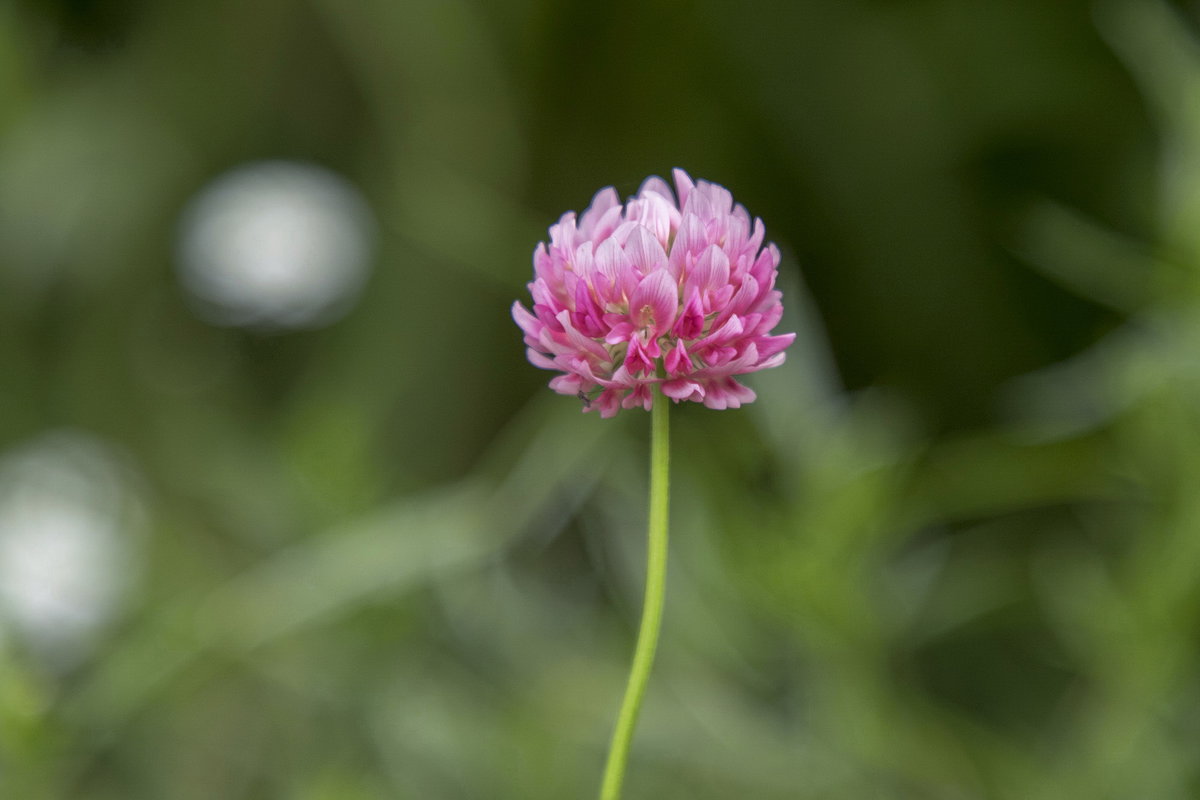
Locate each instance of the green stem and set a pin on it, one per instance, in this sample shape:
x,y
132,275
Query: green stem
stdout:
x,y
652,606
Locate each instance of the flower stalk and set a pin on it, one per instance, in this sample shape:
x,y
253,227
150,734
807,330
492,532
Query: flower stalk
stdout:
x,y
652,606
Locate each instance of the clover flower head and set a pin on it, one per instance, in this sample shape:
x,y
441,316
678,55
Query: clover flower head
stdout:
x,y
671,288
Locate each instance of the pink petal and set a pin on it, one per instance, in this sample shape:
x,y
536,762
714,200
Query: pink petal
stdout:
x,y
577,340
683,185
772,362
744,299
605,200
587,315
743,394
771,316
683,389
637,360
615,266
721,198
717,358
654,302
608,403
756,237
770,345
622,378
737,228
541,260
656,185
678,362
562,235
583,262
621,332
644,250
657,215
640,396
726,333
720,297
691,320
690,240
730,363
766,266
605,225
711,271
526,321
542,294
728,393
619,380
567,384
547,316
539,359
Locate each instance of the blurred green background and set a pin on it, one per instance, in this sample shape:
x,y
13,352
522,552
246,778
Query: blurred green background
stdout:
x,y
285,513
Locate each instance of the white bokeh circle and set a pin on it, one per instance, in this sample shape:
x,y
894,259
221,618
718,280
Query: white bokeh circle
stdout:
x,y
275,244
69,523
